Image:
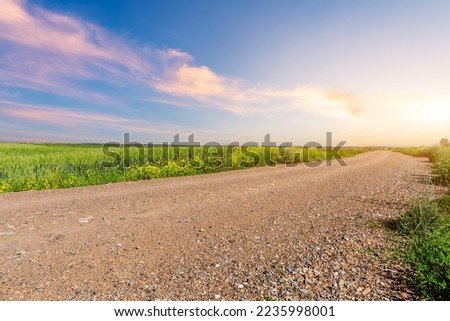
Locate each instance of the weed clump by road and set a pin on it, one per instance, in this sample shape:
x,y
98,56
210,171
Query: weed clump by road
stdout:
x,y
427,232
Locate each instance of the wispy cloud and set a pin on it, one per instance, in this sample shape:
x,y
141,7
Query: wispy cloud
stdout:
x,y
66,118
53,52
35,27
317,100
44,30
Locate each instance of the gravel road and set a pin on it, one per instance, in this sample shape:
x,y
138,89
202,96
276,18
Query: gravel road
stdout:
x,y
281,233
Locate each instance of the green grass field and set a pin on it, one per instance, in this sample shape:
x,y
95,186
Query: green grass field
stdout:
x,y
48,166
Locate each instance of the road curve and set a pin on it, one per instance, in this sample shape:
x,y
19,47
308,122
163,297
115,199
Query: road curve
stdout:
x,y
295,233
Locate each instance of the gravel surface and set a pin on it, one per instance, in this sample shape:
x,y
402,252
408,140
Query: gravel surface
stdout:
x,y
258,234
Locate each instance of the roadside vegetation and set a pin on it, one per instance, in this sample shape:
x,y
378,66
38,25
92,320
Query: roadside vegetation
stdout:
x,y
417,151
49,166
426,230
439,155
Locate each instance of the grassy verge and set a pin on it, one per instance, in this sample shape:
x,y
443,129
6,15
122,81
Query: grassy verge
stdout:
x,y
417,151
47,166
426,230
439,155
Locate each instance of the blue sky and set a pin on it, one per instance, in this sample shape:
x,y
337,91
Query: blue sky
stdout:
x,y
372,72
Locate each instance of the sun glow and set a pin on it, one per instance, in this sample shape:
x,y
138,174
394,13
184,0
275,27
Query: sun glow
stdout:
x,y
429,112
437,113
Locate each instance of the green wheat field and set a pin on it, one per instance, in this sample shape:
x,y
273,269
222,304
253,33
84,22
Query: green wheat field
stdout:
x,y
26,166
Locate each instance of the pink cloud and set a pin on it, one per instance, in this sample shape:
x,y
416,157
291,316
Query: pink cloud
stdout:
x,y
48,31
67,118
33,26
51,50
192,81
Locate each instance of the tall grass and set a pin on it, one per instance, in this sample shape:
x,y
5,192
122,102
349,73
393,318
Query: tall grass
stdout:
x,y
46,166
427,229
441,159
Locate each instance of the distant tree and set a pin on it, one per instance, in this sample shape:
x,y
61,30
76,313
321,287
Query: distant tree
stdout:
x,y
444,142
